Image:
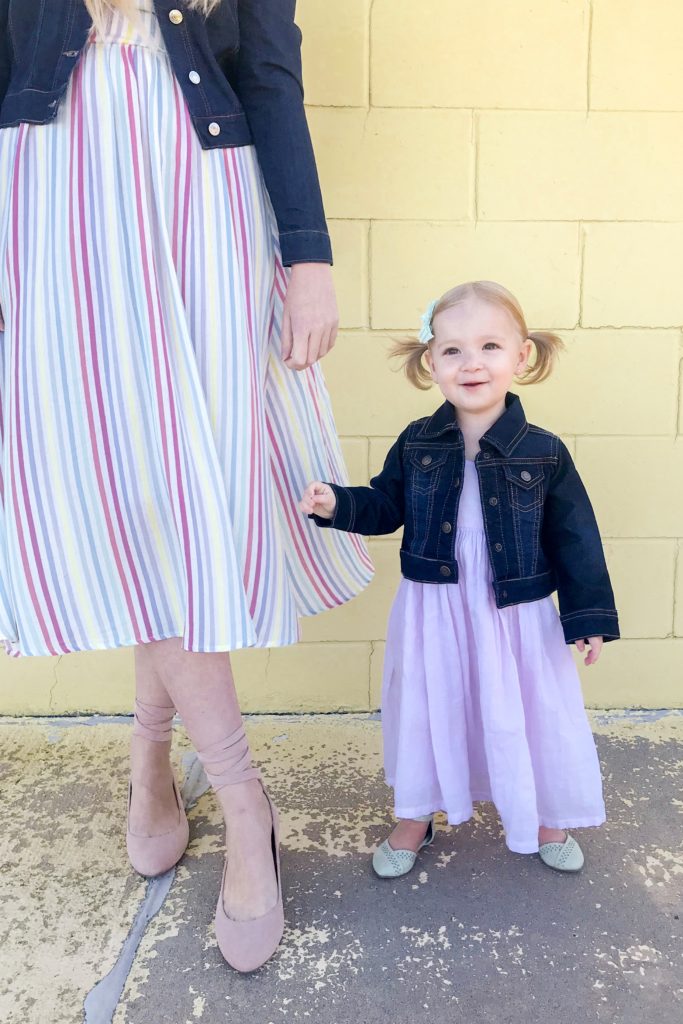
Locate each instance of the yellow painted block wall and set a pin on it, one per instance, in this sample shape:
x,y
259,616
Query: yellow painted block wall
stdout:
x,y
539,143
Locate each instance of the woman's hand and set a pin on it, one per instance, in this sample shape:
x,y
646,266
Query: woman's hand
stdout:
x,y
595,643
310,318
318,499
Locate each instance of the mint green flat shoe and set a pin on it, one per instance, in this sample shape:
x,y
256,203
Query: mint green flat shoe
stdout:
x,y
390,863
566,856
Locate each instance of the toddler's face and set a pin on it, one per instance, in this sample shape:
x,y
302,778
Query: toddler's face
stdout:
x,y
476,352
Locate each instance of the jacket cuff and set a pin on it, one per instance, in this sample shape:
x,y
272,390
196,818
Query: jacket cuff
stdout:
x,y
592,622
305,247
344,515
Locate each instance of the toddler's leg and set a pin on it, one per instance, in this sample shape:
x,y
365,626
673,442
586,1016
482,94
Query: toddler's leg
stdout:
x,y
551,835
409,833
559,850
396,856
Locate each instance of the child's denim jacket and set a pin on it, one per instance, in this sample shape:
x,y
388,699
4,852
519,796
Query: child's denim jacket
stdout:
x,y
240,73
540,526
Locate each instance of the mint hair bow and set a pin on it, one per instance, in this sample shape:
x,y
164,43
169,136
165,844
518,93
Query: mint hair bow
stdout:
x,y
426,334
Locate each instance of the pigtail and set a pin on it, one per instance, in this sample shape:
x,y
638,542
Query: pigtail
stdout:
x,y
410,354
548,347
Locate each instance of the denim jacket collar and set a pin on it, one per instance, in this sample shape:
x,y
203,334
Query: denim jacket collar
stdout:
x,y
504,435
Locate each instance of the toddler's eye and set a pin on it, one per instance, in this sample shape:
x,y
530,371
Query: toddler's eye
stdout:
x,y
451,351
491,344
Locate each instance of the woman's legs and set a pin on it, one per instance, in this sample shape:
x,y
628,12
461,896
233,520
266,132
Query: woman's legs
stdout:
x,y
202,688
153,809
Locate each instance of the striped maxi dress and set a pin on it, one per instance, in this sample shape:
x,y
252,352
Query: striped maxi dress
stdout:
x,y
153,444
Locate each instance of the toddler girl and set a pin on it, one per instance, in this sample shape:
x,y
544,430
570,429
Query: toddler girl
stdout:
x,y
481,697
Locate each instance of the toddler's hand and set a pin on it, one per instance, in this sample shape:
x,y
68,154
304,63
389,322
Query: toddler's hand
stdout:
x,y
596,643
318,498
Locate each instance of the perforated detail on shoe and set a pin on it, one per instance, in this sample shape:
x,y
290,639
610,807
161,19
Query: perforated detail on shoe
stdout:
x,y
394,863
566,856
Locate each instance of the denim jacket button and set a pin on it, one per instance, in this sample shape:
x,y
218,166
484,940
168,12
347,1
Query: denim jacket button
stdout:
x,y
446,527
194,77
214,129
444,570
525,475
487,455
493,501
498,546
175,16
504,594
456,482
426,460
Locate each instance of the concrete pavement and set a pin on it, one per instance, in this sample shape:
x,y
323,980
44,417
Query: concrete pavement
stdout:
x,y
474,933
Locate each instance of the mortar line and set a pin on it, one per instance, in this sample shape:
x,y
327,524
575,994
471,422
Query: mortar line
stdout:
x,y
504,221
582,269
476,161
589,58
368,282
369,65
617,111
674,609
50,699
372,654
381,332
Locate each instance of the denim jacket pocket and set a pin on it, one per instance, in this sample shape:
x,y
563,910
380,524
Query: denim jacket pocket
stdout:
x,y
426,468
525,486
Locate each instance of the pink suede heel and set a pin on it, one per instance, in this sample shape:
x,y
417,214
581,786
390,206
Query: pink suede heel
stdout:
x,y
245,945
155,855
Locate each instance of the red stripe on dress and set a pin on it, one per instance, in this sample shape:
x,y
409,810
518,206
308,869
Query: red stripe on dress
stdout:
x,y
256,464
159,352
78,219
298,536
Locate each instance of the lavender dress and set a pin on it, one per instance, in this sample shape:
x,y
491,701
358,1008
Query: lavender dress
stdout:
x,y
482,703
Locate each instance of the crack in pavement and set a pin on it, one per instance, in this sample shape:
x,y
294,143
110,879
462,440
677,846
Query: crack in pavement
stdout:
x,y
103,999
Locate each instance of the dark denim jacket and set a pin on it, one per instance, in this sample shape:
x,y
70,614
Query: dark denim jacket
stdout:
x,y
540,527
248,58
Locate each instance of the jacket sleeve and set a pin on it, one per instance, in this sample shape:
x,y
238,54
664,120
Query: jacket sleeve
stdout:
x,y
372,510
268,82
572,544
5,53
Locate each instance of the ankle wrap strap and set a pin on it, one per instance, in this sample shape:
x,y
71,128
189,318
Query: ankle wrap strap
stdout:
x,y
228,761
153,722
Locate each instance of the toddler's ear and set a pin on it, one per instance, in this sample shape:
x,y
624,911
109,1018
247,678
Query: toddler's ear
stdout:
x,y
525,355
429,361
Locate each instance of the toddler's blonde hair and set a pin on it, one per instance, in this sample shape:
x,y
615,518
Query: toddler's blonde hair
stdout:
x,y
410,351
99,8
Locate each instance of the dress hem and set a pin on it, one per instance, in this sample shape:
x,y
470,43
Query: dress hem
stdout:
x,y
460,817
11,646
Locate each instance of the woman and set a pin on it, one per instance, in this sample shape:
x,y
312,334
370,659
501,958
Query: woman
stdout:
x,y
161,406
